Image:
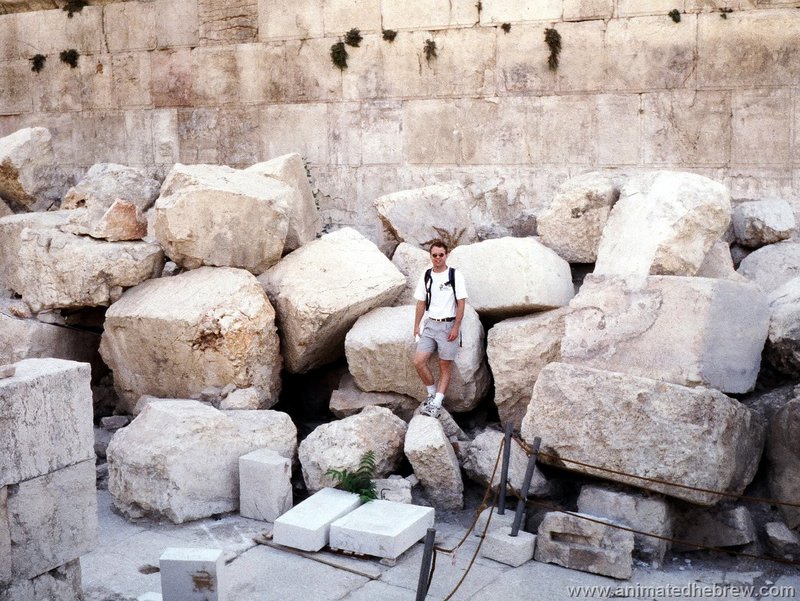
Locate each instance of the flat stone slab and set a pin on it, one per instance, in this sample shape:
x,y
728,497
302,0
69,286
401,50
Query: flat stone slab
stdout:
x,y
192,574
306,526
381,528
513,551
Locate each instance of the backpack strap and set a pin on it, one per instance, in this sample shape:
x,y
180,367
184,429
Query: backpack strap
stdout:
x,y
428,284
452,277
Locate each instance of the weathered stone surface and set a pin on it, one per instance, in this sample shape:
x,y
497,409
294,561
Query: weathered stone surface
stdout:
x,y
51,519
773,265
265,488
718,264
437,211
29,178
513,276
380,346
349,399
715,527
411,261
480,461
241,398
304,220
11,228
517,349
784,459
341,444
215,215
434,462
64,270
783,344
663,223
573,222
394,488
640,511
30,338
761,222
179,458
123,220
782,541
320,290
60,584
174,337
692,436
45,418
631,326
106,183
579,544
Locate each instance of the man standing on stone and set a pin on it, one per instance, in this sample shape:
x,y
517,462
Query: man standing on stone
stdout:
x,y
442,294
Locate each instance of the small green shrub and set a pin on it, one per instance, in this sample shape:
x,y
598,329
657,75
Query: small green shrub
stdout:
x,y
553,40
70,57
675,15
74,6
37,62
353,37
430,50
389,35
339,55
724,12
361,481
506,27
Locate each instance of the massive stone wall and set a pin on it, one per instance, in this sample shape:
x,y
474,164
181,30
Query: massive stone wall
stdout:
x,y
242,81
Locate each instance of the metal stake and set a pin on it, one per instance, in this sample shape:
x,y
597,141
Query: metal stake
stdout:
x,y
425,568
526,484
501,504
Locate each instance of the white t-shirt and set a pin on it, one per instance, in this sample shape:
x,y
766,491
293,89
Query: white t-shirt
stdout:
x,y
442,302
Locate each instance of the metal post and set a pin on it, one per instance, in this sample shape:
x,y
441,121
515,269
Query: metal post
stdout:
x,y
425,568
501,504
526,484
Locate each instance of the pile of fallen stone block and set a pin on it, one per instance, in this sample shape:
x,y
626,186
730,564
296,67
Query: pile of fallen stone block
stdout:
x,y
215,283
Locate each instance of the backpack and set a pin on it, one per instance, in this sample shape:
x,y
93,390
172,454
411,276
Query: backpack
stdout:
x,y
451,276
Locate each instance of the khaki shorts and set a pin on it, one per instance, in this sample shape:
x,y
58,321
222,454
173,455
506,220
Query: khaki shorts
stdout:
x,y
434,339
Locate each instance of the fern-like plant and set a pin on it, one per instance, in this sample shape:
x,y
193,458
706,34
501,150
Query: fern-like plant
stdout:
x,y
361,481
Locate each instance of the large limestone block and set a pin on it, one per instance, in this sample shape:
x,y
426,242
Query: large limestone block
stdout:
x,y
30,338
215,215
773,265
695,437
663,223
320,290
60,584
380,347
578,543
304,219
685,330
517,349
718,264
174,337
12,271
105,183
45,418
783,344
420,215
757,223
29,178
349,399
480,459
434,462
784,460
723,526
341,444
507,277
51,519
411,261
573,222
179,459
68,271
123,220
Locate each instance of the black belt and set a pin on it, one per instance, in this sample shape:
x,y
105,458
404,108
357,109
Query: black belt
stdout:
x,y
443,319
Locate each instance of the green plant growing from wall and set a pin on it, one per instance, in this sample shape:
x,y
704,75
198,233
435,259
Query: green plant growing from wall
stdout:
x,y
479,6
452,239
389,35
429,50
675,15
37,62
724,12
361,481
553,40
70,57
506,27
339,55
353,37
74,6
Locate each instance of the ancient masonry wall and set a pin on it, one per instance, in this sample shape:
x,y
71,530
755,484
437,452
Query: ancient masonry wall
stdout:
x,y
240,81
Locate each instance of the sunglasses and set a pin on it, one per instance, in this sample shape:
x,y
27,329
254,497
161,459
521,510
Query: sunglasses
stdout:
x,y
437,255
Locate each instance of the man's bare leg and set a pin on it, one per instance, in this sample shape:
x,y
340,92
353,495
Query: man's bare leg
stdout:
x,y
421,365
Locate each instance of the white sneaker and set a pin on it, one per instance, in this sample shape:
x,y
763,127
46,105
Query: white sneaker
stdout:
x,y
428,408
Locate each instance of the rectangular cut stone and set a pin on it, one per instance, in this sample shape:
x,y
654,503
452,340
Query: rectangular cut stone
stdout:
x,y
513,121
193,574
130,26
306,526
309,78
762,127
49,32
569,125
619,135
261,73
30,338
772,55
234,21
631,326
57,90
627,8
214,75
498,521
504,11
340,16
131,77
513,551
52,519
265,488
465,63
430,131
300,128
279,20
588,9
381,528
176,23
428,14
696,437
171,77
522,62
16,94
575,72
13,43
45,418
59,584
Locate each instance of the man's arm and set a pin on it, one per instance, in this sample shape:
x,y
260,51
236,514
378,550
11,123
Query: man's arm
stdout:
x,y
418,316
459,316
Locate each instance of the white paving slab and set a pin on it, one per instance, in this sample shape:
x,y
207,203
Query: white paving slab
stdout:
x,y
306,525
381,528
192,575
